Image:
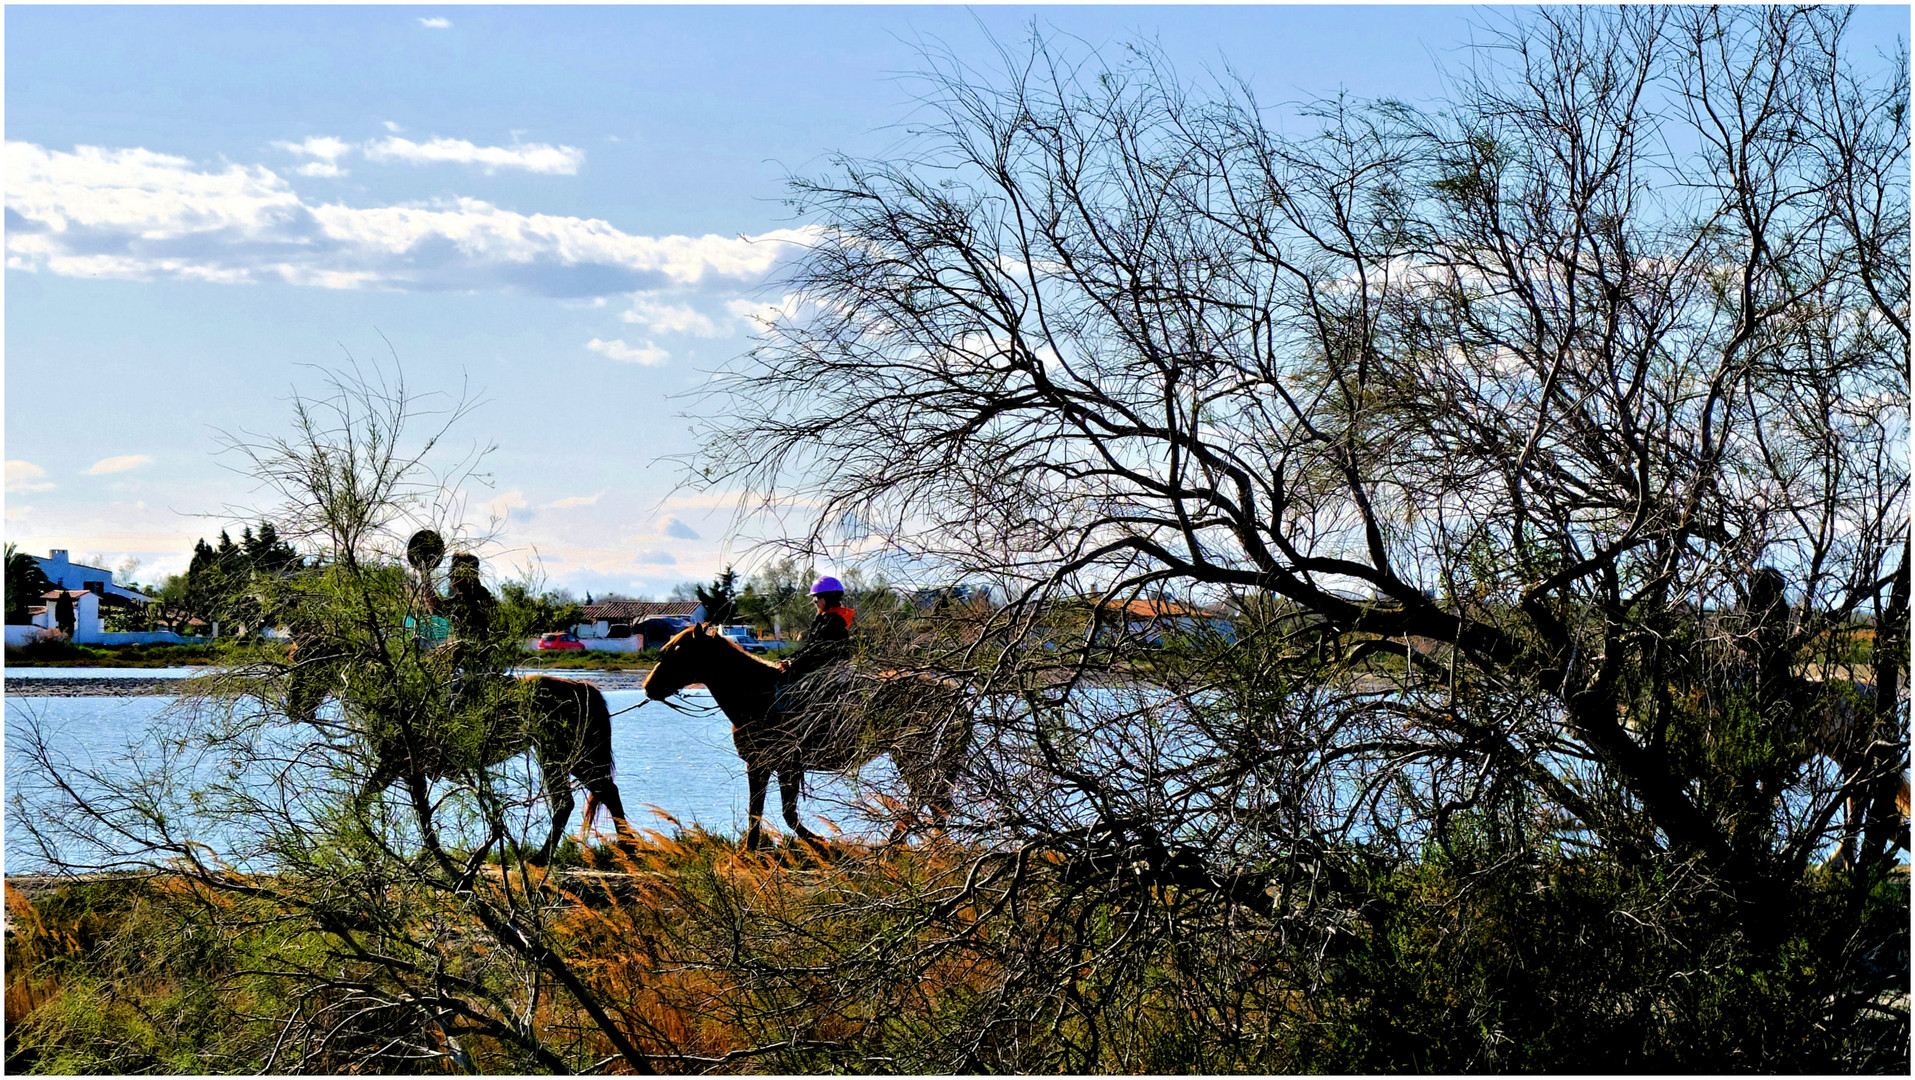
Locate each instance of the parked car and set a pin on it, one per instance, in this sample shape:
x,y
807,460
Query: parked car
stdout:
x,y
745,636
560,642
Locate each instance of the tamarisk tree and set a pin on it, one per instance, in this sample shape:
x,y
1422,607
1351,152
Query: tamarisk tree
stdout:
x,y
1488,422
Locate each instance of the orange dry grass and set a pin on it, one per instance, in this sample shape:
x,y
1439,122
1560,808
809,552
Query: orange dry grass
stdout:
x,y
30,941
618,938
668,943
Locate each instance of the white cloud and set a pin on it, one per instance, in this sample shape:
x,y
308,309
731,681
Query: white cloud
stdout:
x,y
23,476
17,512
647,354
136,214
506,503
118,464
436,23
319,168
533,157
671,526
575,500
392,127
761,316
323,147
140,194
656,558
668,318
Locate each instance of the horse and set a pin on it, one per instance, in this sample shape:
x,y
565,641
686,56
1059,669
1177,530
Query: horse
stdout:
x,y
1838,720
923,724
1834,718
565,723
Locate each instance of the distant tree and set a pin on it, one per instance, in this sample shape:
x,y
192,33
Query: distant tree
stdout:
x,y
527,612
266,553
26,585
721,599
200,589
64,616
221,581
170,609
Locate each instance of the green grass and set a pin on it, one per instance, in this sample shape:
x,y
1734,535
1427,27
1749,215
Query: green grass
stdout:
x,y
67,654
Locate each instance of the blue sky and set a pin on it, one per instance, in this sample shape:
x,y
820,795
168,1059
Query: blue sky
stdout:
x,y
574,211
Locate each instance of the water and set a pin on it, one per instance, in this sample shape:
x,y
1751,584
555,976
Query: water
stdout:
x,y
103,672
680,763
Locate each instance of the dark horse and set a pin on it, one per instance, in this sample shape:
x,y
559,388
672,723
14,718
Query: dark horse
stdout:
x,y
565,723
924,724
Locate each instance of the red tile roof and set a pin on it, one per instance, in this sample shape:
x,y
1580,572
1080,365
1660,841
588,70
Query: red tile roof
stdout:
x,y
1160,609
639,610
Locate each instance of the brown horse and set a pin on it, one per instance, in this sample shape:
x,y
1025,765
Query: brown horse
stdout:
x,y
1840,722
565,723
923,724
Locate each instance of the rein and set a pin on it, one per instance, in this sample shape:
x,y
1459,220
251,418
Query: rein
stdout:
x,y
688,710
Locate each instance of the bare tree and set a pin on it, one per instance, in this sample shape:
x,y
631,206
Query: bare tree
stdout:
x,y
1487,418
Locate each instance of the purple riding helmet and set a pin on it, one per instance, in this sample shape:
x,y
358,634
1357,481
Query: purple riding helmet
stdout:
x,y
826,584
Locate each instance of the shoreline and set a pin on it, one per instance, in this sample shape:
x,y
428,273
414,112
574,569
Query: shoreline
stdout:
x,y
136,686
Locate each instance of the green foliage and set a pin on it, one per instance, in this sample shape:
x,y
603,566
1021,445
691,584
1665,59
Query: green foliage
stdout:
x,y
1538,965
26,584
525,613
225,583
59,653
775,598
142,976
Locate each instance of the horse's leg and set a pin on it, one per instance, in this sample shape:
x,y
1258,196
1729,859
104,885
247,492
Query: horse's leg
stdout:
x,y
558,792
790,779
591,811
601,791
376,783
759,777
932,780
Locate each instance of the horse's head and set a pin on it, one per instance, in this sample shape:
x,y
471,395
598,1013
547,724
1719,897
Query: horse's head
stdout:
x,y
678,665
697,655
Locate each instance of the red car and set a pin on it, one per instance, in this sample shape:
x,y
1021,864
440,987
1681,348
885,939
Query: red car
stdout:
x,y
560,642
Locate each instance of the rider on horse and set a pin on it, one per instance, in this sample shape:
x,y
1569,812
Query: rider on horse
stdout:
x,y
828,641
826,644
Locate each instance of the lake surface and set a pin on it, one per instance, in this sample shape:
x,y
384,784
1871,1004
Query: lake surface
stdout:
x,y
103,672
682,764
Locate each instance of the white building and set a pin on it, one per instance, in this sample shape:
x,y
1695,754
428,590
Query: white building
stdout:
x,y
87,586
67,574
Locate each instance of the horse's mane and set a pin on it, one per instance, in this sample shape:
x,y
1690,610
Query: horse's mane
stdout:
x,y
702,630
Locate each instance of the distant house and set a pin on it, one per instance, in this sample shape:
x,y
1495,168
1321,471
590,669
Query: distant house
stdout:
x,y
617,618
90,588
86,612
69,575
1148,621
655,632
